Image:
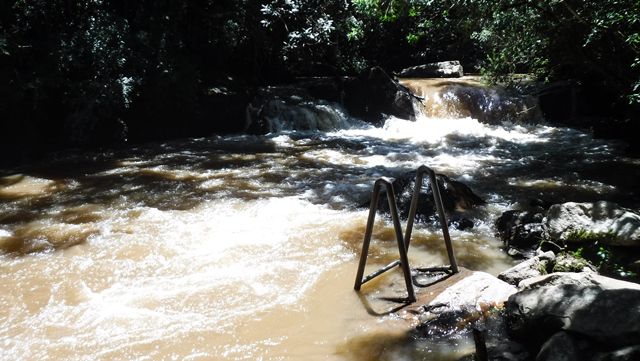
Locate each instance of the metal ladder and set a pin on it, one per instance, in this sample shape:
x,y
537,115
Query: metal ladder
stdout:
x,y
403,243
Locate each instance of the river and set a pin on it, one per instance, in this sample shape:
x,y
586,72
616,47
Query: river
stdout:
x,y
245,247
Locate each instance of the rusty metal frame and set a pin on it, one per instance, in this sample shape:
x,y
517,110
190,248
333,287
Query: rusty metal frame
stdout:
x,y
403,243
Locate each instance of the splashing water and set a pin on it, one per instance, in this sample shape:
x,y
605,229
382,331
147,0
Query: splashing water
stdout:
x,y
245,247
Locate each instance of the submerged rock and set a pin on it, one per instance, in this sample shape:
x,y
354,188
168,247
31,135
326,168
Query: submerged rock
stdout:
x,y
443,69
579,222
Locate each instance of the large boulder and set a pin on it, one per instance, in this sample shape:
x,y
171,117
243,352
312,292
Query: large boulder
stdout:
x,y
443,69
377,96
576,222
456,198
598,308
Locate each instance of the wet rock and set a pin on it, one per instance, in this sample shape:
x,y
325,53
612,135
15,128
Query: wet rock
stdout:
x,y
522,231
443,69
602,309
459,305
581,222
456,198
461,224
377,96
533,267
292,108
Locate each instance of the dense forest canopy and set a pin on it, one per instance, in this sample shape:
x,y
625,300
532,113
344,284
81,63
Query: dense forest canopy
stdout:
x,y
98,72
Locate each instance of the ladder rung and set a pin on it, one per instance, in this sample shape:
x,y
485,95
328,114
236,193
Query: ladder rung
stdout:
x,y
380,271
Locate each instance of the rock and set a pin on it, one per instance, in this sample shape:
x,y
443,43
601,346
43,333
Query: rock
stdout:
x,y
522,231
461,224
536,266
443,69
507,350
566,262
630,353
456,198
586,304
562,347
461,303
292,108
377,96
578,222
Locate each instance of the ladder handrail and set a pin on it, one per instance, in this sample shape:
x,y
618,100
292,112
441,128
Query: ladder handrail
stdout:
x,y
404,261
435,188
403,243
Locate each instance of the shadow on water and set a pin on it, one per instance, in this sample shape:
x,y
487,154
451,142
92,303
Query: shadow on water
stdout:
x,y
386,346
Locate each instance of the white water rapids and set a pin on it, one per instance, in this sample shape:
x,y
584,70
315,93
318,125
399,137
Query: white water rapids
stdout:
x,y
245,247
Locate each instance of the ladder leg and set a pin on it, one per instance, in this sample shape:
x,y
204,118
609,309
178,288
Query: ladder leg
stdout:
x,y
443,220
367,235
402,248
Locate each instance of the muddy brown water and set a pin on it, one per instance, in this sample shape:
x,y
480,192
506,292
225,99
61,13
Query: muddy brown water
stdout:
x,y
245,248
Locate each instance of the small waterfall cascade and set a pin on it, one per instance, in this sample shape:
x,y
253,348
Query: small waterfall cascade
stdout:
x,y
468,97
282,108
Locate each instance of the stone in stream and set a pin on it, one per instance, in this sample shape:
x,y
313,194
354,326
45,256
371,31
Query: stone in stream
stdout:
x,y
522,231
455,303
376,96
456,199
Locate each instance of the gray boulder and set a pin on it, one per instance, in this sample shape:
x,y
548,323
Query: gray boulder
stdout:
x,y
586,304
562,346
533,267
443,69
464,298
575,222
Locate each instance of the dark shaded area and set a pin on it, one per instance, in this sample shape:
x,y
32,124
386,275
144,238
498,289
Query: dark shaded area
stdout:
x,y
98,74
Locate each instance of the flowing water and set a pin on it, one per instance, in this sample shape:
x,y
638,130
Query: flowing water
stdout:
x,y
245,247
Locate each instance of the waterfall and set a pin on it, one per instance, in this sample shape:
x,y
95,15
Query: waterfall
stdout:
x,y
468,97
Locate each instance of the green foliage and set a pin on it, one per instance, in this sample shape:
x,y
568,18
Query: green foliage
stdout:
x,y
584,236
554,39
608,260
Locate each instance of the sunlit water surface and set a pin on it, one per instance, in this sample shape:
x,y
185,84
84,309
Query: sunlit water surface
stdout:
x,y
245,248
